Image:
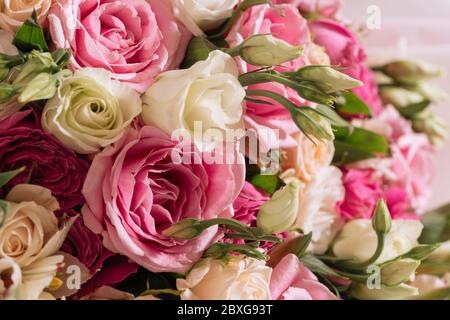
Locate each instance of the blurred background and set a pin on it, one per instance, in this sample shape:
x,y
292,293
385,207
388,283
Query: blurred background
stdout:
x,y
414,29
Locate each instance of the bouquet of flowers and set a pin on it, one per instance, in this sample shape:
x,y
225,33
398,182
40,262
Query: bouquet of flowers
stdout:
x,y
199,150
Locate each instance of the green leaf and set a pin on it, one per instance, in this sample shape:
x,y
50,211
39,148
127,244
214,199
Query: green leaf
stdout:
x,y
3,212
5,177
268,183
317,266
436,225
358,144
30,36
349,104
411,110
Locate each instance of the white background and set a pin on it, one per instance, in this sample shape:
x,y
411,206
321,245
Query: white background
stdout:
x,y
417,29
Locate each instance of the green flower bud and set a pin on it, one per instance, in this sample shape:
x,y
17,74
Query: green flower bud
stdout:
x,y
430,92
184,230
7,92
43,86
400,97
312,93
197,50
326,78
408,71
362,292
37,63
381,221
312,123
382,79
266,50
396,272
432,125
280,212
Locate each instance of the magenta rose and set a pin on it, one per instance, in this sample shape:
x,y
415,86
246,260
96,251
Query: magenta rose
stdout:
x,y
143,184
85,245
344,50
286,23
23,143
325,8
291,280
134,39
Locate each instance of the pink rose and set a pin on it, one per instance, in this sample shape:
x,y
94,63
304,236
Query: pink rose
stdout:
x,y
134,39
23,143
286,23
140,186
344,49
246,205
326,8
413,166
363,189
291,280
361,194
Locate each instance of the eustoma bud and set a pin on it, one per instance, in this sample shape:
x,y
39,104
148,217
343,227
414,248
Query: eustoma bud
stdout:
x,y
395,272
328,79
432,125
362,292
400,97
407,71
381,221
266,50
280,212
43,86
184,230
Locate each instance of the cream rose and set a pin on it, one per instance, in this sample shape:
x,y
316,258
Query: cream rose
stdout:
x,y
203,15
236,278
90,111
208,94
317,210
307,157
13,13
31,231
358,240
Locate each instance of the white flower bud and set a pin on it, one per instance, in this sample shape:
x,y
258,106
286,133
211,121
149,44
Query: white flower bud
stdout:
x,y
280,212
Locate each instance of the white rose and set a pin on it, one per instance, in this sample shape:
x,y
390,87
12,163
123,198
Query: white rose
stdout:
x,y
207,94
203,15
358,241
13,13
236,278
90,111
31,229
317,210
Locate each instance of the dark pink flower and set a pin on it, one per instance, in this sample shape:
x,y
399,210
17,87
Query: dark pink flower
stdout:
x,y
48,164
